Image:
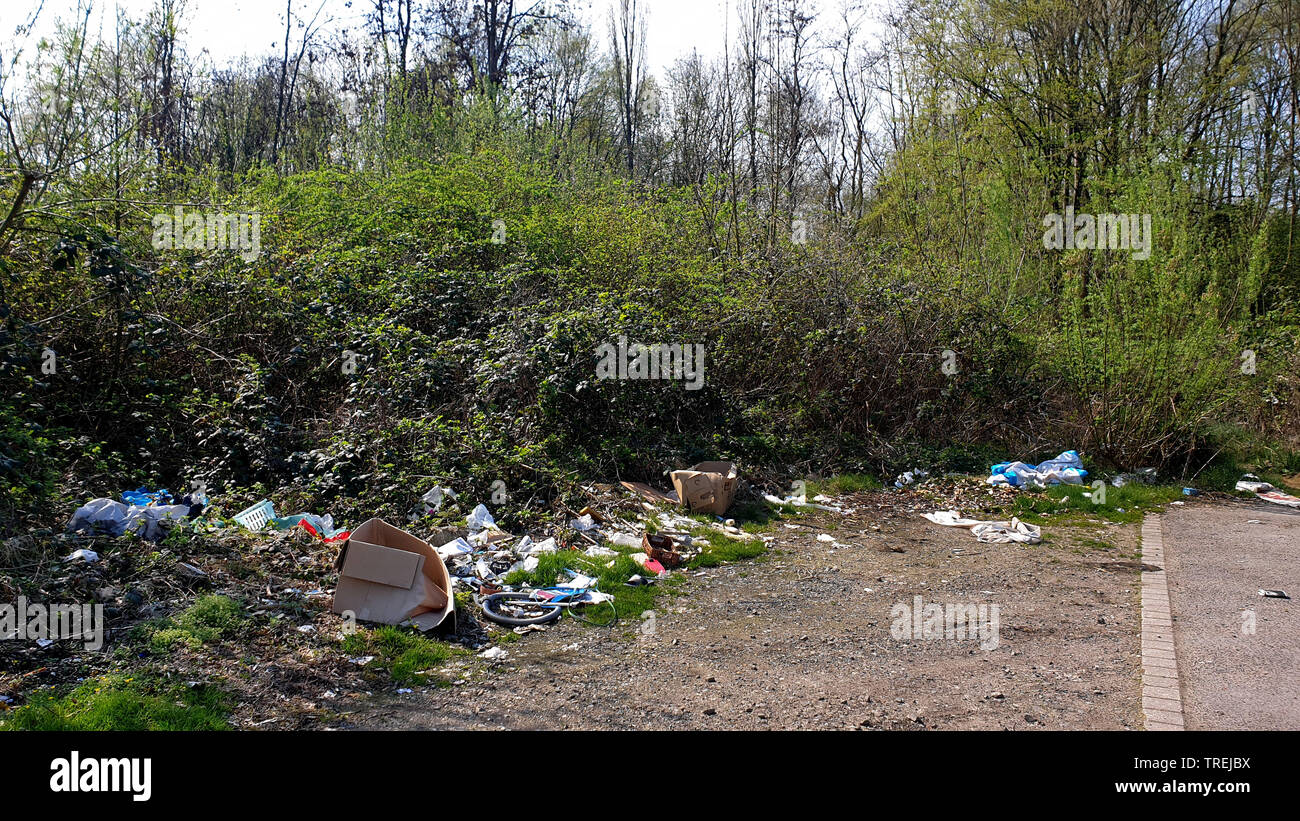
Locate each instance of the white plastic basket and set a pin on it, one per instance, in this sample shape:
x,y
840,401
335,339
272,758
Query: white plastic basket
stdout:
x,y
256,517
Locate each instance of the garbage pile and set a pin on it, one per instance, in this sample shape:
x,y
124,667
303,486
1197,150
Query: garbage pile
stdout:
x,y
141,511
1067,468
390,576
263,513
483,558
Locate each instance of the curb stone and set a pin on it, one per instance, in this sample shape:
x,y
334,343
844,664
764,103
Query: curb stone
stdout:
x,y
1162,702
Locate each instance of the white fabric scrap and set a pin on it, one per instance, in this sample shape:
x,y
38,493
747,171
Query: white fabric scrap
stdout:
x,y
989,532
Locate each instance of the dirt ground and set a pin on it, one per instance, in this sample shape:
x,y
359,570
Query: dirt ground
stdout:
x,y
1235,675
801,639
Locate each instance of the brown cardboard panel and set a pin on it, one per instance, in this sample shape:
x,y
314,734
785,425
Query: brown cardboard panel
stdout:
x,y
648,493
377,603
383,565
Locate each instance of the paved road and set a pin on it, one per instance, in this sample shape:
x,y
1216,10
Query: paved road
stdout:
x,y
1217,562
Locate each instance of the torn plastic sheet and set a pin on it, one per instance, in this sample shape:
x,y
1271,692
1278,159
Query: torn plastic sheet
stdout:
x,y
528,547
577,581
143,497
435,497
622,540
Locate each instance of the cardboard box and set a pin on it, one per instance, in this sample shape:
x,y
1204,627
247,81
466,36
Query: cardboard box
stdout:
x,y
386,575
708,487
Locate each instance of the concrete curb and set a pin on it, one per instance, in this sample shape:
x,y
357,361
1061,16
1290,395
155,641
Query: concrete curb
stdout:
x,y
1162,701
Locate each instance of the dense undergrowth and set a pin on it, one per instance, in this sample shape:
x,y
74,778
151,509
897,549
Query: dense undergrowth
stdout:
x,y
391,334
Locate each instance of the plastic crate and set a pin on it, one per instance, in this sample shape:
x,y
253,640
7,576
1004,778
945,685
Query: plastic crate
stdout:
x,y
256,517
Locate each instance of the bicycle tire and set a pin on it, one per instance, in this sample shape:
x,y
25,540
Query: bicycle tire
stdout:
x,y
495,605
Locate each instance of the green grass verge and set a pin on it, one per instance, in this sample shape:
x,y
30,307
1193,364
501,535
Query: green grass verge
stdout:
x,y
1066,504
843,483
123,703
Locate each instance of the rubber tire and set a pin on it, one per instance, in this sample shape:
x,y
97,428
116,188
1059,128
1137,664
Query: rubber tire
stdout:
x,y
553,612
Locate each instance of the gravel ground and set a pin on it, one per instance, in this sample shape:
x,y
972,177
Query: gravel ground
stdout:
x,y
801,639
1218,561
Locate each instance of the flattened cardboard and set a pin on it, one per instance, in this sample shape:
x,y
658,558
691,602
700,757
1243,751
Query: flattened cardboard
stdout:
x,y
650,494
708,487
386,575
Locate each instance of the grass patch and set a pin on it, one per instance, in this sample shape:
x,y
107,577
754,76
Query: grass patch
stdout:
x,y
721,550
124,703
842,484
1096,544
406,656
208,619
1066,504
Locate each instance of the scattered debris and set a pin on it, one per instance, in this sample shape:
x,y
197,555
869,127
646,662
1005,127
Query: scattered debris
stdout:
x,y
1146,476
911,477
261,514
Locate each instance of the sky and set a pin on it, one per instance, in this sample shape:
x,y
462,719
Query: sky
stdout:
x,y
230,28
